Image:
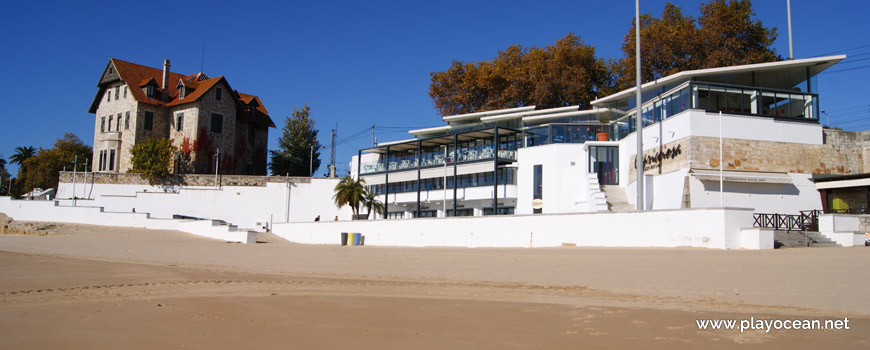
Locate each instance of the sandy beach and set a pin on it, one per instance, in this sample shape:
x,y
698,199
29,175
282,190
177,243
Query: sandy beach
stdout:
x,y
80,286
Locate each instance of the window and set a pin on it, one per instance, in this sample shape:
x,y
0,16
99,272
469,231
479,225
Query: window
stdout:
x,y
111,160
427,214
102,124
110,124
125,91
461,212
179,122
117,92
537,188
149,120
217,94
217,123
102,161
127,121
395,215
500,211
109,96
118,123
149,90
181,92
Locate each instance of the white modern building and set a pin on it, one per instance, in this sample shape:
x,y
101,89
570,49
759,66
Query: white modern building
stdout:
x,y
743,136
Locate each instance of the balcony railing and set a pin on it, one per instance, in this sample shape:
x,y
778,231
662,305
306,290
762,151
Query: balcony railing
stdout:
x,y
728,99
433,159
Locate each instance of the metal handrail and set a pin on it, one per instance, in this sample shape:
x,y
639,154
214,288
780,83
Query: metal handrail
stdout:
x,y
805,221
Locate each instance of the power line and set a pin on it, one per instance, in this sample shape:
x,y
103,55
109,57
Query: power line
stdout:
x,y
847,61
844,70
849,108
846,50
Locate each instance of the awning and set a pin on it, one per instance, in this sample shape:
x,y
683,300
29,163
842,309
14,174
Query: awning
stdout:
x,y
742,176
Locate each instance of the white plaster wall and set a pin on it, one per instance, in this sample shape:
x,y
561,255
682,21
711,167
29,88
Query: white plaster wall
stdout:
x,y
240,205
564,183
667,190
701,123
709,228
52,212
762,198
842,229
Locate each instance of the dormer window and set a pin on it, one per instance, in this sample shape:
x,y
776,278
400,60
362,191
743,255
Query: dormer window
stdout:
x,y
149,90
182,91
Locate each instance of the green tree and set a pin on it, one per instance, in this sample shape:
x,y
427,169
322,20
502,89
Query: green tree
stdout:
x,y
725,34
152,158
43,169
350,192
372,204
297,140
567,73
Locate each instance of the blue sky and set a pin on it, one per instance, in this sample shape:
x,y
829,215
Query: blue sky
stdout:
x,y
355,63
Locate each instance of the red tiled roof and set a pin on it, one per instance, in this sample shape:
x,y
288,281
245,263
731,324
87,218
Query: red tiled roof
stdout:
x,y
131,72
201,87
135,73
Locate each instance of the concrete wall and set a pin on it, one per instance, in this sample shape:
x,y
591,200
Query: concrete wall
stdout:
x,y
846,230
52,212
564,168
245,206
709,228
791,198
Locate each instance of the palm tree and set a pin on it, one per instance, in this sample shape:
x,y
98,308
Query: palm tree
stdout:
x,y
2,162
22,154
371,202
349,192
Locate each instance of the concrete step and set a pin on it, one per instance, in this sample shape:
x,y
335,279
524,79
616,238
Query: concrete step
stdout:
x,y
617,201
801,239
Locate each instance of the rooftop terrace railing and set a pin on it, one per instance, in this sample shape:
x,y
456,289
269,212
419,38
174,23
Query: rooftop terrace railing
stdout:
x,y
728,99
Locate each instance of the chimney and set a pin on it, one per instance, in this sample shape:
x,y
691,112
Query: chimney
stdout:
x,y
165,75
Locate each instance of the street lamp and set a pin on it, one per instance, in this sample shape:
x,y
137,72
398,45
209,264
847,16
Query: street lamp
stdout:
x,y
311,160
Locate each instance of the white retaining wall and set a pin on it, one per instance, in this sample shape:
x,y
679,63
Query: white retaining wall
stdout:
x,y
52,212
245,206
843,229
708,228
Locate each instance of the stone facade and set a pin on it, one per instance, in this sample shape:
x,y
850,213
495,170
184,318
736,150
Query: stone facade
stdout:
x,y
120,119
117,104
186,180
841,154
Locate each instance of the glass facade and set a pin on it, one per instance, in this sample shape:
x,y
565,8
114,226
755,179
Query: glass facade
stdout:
x,y
730,99
564,133
415,155
505,176
500,211
604,161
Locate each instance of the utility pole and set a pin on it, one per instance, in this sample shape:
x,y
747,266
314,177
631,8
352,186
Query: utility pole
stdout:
x,y
75,162
332,152
217,160
85,180
638,111
790,47
373,136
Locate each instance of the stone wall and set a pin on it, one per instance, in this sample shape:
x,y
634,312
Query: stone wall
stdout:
x,y
203,180
843,153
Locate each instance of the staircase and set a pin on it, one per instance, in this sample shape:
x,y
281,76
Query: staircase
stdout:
x,y
801,239
617,201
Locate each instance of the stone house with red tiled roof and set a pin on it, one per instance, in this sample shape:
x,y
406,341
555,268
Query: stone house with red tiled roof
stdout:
x,y
202,116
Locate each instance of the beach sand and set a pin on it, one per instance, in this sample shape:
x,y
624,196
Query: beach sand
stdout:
x,y
93,287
